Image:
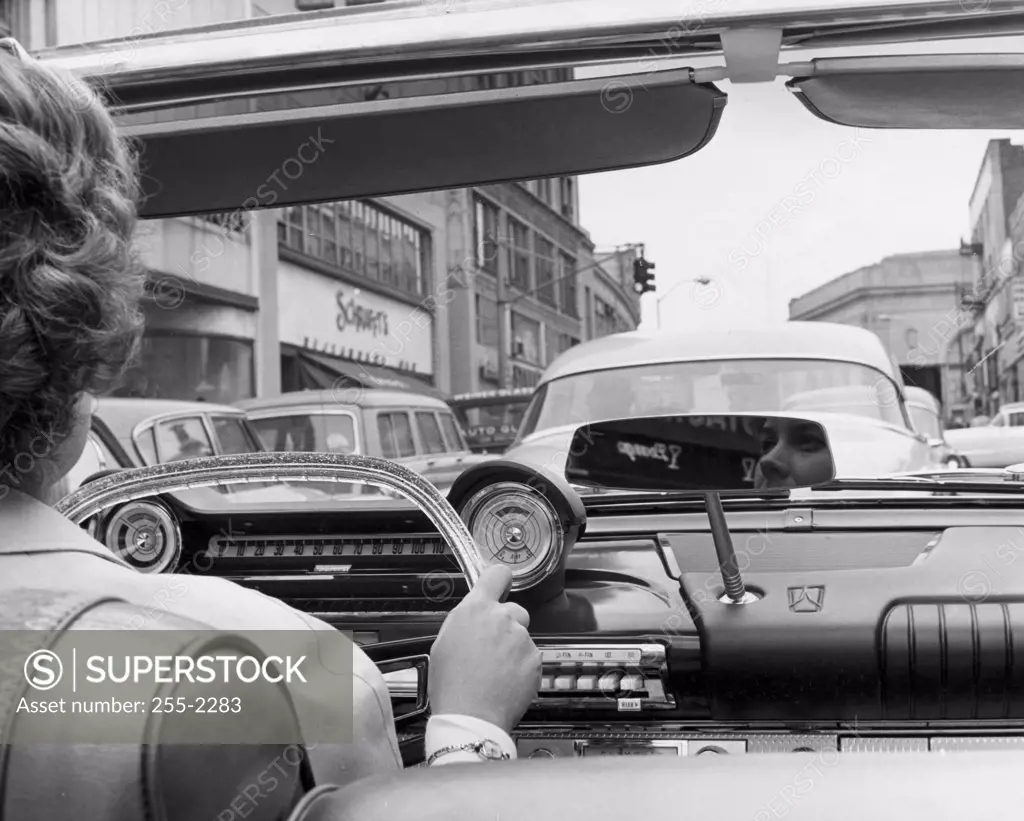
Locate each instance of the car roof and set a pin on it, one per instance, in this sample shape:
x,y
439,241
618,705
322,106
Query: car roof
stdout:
x,y
345,398
785,340
919,396
125,412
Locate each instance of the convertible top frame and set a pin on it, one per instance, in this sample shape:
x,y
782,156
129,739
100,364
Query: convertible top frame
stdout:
x,y
415,40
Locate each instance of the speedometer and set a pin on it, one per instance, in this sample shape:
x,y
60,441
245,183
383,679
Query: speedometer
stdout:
x,y
515,526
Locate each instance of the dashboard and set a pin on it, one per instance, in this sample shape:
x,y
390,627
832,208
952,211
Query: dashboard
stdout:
x,y
876,629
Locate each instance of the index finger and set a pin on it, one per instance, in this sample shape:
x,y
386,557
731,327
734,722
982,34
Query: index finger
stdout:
x,y
494,583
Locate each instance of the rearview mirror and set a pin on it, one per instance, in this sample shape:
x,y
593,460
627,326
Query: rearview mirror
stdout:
x,y
707,454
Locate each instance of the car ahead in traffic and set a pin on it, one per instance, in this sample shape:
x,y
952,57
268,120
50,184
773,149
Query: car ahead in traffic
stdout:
x,y
137,432
926,414
415,430
491,418
997,444
130,432
837,374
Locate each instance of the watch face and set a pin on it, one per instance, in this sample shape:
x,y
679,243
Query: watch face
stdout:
x,y
490,749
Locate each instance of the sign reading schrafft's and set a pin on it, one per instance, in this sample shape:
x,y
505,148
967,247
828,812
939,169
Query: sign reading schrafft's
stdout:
x,y
331,317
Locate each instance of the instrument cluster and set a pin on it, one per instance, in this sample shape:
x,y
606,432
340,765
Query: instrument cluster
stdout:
x,y
515,520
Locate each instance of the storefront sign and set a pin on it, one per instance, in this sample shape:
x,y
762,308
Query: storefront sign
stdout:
x,y
355,315
319,313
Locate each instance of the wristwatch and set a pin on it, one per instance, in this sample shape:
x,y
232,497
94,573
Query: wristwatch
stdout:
x,y
487,750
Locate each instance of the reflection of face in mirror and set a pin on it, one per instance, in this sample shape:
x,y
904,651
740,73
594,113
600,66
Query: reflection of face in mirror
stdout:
x,y
794,454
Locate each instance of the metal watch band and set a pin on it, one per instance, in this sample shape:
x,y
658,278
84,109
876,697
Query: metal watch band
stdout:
x,y
487,750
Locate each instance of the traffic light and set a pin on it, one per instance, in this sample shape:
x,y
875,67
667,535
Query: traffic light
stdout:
x,y
643,279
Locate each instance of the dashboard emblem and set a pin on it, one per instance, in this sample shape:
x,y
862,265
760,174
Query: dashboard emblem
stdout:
x,y
806,599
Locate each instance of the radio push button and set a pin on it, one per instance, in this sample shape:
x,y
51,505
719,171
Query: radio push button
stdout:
x,y
610,682
586,683
565,682
632,683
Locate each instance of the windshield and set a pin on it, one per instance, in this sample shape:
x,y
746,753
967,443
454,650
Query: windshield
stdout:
x,y
910,236
925,422
308,432
723,386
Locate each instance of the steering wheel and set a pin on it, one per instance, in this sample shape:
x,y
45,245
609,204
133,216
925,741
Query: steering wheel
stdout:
x,y
209,471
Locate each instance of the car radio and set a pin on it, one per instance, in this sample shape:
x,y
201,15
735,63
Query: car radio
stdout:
x,y
625,678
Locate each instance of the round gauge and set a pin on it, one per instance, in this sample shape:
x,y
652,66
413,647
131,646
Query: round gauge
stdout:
x,y
146,536
515,526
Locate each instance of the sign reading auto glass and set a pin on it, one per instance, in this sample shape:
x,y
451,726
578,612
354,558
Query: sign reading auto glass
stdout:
x,y
187,687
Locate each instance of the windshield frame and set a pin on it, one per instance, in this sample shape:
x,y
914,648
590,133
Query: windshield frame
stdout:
x,y
527,427
935,430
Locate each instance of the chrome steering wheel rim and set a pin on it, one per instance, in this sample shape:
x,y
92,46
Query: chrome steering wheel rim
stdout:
x,y
209,471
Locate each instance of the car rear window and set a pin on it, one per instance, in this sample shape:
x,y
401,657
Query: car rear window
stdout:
x,y
179,439
286,433
232,435
395,433
430,432
308,432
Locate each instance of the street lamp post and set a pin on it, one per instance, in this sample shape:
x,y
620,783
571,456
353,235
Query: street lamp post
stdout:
x,y
664,296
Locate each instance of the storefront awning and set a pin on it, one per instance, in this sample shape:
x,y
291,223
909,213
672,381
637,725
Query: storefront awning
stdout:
x,y
318,371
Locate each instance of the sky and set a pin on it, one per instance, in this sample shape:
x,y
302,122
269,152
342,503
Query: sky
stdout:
x,y
842,198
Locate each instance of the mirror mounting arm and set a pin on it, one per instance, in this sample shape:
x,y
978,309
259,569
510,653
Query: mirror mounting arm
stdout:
x,y
735,591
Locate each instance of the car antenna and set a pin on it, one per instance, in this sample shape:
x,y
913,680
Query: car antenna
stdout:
x,y
735,591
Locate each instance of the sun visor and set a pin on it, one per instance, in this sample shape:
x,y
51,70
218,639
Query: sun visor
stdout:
x,y
953,91
272,159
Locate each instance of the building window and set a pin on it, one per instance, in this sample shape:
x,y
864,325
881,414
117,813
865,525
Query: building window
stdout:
x,y
362,239
291,228
545,271
519,264
567,286
606,319
525,377
485,237
177,366
558,343
545,190
234,222
486,321
566,341
526,339
567,197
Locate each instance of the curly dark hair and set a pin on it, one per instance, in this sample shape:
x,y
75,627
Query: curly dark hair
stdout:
x,y
70,280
